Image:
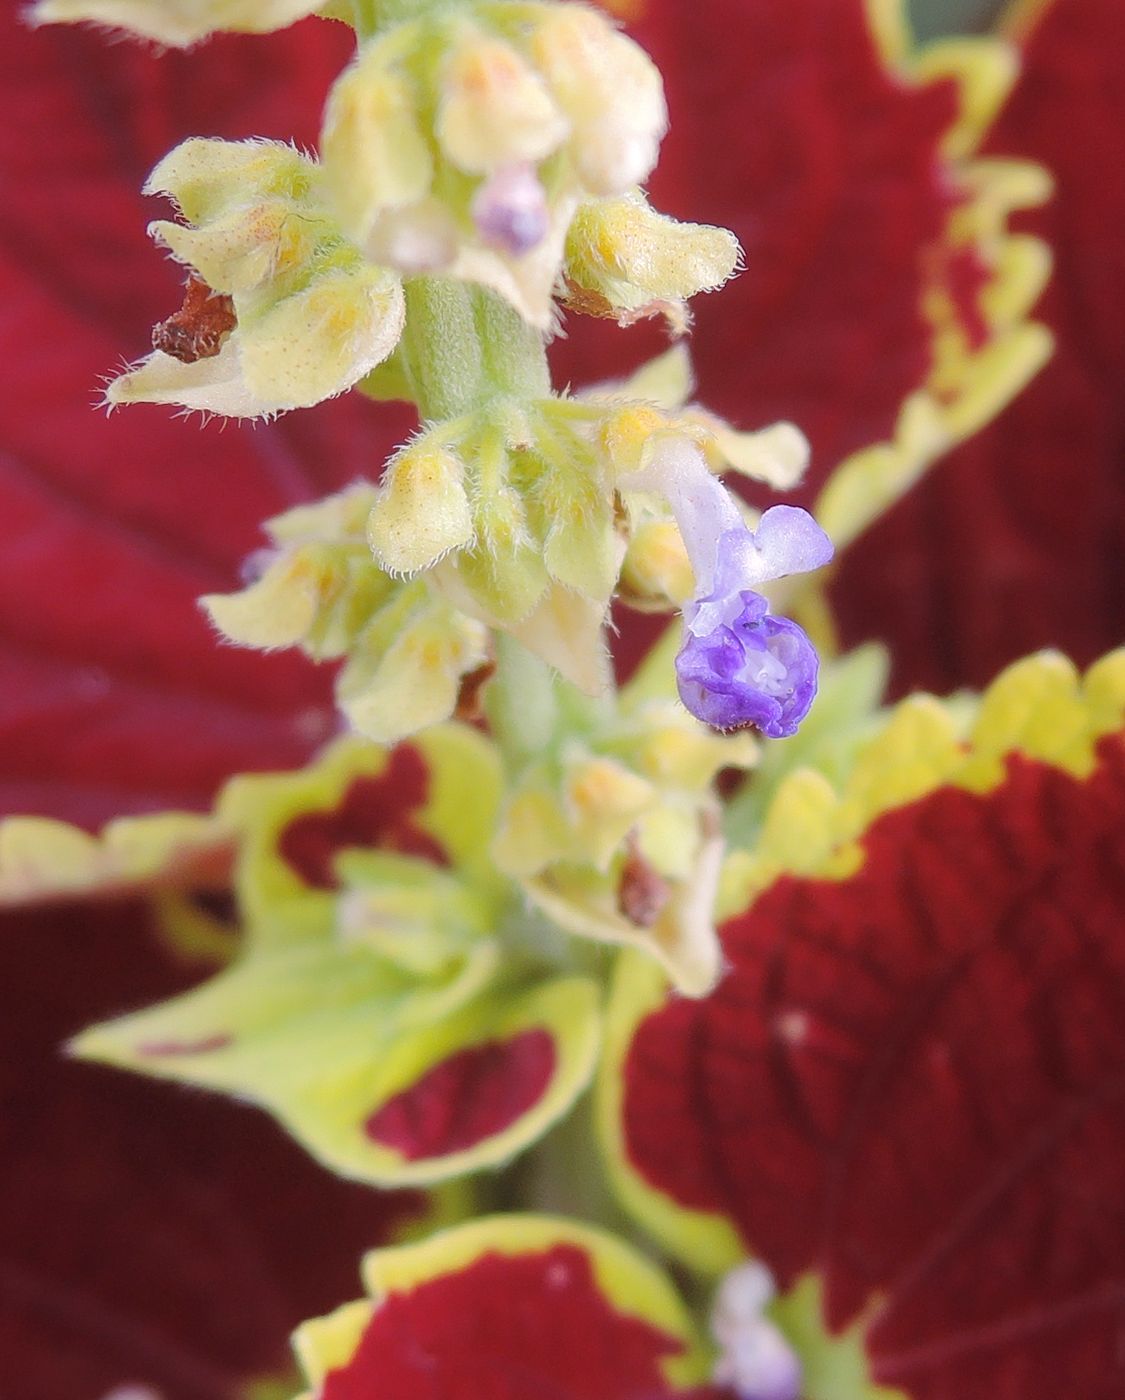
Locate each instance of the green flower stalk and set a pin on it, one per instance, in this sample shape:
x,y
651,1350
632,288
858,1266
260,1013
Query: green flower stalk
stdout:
x,y
436,901
478,172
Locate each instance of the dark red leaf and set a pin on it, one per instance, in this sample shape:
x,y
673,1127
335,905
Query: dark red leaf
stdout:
x,y
147,1235
116,694
474,1094
1016,542
913,1082
524,1327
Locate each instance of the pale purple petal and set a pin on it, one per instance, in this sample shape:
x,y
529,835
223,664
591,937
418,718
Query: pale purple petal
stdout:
x,y
759,1364
510,210
755,1359
789,541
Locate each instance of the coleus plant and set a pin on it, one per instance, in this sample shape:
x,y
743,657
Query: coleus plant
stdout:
x,y
397,1007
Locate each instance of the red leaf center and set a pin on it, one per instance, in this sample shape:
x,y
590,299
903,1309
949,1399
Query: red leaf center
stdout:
x,y
472,1095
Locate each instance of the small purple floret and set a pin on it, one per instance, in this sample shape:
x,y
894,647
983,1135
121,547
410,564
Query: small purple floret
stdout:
x,y
756,1361
510,210
761,1365
740,666
759,671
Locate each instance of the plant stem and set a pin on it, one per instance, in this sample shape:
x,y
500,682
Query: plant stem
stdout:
x,y
521,703
369,16
463,345
514,354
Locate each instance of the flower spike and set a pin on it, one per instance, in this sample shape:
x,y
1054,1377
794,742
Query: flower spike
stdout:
x,y
739,666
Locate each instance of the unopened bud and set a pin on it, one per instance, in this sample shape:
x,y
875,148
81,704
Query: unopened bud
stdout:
x,y
313,345
178,25
611,91
405,674
603,800
281,607
626,432
421,511
208,177
247,247
623,250
375,156
656,573
495,110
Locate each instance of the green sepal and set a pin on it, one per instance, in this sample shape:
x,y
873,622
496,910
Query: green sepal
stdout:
x,y
844,715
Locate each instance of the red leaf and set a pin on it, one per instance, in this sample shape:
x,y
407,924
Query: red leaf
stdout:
x,y
506,1328
117,696
474,1094
147,1236
913,1081
374,812
1016,542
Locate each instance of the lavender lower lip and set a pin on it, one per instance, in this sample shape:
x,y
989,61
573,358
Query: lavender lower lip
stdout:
x,y
753,670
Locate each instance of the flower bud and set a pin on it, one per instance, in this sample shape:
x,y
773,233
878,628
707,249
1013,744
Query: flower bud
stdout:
x,y
610,90
656,573
421,511
533,831
625,434
240,250
281,607
208,177
494,109
625,252
375,156
306,316
313,345
405,673
181,24
316,588
341,518
603,801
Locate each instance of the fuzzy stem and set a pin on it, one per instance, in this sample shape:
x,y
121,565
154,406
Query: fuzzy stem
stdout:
x,y
521,703
463,345
369,16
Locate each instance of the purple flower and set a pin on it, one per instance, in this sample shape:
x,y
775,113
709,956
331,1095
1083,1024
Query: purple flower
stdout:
x,y
510,210
756,1360
739,665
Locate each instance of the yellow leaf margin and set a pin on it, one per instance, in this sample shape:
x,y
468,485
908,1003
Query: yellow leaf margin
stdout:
x,y
43,859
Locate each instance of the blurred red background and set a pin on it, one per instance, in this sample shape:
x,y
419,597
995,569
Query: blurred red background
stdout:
x,y
115,697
